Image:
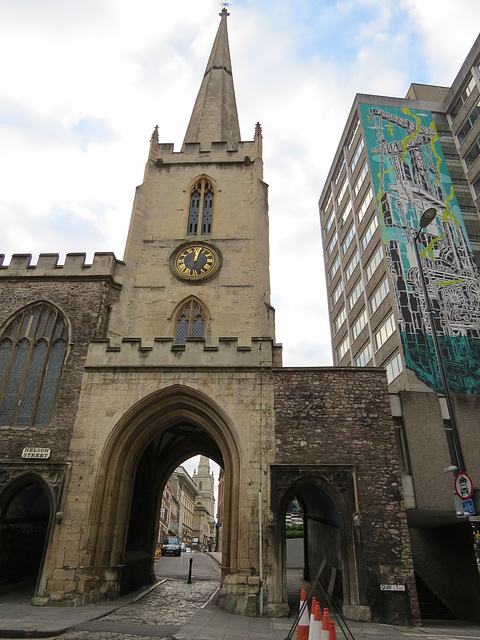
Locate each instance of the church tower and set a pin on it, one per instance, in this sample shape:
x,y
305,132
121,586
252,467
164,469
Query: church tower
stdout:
x,y
205,482
197,254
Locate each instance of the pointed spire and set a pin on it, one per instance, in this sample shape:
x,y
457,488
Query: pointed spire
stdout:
x,y
214,117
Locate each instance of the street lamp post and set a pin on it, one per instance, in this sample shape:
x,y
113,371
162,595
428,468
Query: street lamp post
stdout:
x,y
426,219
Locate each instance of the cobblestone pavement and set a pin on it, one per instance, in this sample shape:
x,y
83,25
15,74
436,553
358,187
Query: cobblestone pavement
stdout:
x,y
158,614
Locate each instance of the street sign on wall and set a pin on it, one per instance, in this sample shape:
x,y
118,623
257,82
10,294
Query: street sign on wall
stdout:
x,y
463,485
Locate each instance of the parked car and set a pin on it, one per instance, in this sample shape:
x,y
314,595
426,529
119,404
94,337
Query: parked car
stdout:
x,y
171,546
182,546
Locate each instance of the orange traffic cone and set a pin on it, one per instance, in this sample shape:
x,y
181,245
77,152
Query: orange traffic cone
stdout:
x,y
312,619
333,634
325,625
317,624
303,623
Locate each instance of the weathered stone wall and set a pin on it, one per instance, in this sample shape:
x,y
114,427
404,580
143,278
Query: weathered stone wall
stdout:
x,y
86,303
342,416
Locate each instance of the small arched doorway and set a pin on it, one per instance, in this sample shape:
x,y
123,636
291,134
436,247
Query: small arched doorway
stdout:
x,y
148,443
327,500
25,525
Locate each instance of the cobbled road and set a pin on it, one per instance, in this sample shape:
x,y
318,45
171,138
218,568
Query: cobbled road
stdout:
x,y
158,614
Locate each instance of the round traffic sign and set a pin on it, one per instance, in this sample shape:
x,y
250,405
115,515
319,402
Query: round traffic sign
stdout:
x,y
463,485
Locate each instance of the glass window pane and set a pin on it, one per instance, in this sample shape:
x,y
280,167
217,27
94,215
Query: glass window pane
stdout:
x,y
30,391
50,383
10,395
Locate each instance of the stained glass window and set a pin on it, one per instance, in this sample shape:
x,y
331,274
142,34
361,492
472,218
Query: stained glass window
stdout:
x,y
32,352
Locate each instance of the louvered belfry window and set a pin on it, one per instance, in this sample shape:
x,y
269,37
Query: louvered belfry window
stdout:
x,y
190,322
201,207
32,352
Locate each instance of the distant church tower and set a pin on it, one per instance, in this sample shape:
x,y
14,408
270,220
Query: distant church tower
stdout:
x,y
205,481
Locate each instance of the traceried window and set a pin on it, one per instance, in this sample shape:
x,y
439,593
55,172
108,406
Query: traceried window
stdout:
x,y
32,353
201,208
190,321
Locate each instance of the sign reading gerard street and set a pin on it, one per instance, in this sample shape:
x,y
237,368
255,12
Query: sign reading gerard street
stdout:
x,y
41,453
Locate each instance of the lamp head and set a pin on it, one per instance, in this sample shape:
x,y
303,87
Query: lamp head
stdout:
x,y
427,217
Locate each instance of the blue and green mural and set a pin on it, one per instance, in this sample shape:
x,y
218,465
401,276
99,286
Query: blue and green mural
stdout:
x,y
410,175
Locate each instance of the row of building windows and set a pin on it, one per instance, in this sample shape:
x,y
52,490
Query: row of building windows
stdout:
x,y
469,122
473,153
357,154
360,179
463,97
368,235
334,268
355,294
364,206
385,331
337,292
364,356
375,261
348,239
343,348
359,324
339,320
351,266
342,192
379,295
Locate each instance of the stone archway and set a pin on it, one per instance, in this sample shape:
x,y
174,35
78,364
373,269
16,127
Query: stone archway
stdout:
x,y
27,508
328,497
163,430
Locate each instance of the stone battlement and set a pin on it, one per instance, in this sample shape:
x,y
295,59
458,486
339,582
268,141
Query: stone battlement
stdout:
x,y
103,265
132,352
163,154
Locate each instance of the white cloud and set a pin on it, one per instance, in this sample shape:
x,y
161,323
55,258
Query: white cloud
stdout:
x,y
85,84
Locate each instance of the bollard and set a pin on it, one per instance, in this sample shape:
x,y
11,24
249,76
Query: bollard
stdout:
x,y
189,581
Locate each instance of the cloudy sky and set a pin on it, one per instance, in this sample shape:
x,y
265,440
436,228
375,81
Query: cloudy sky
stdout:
x,y
82,85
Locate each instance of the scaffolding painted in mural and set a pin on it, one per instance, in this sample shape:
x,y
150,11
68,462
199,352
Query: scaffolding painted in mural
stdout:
x,y
410,174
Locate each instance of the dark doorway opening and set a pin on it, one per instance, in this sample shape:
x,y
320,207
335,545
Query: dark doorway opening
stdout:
x,y
25,517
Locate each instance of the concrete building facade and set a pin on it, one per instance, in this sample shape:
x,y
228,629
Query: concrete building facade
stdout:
x,y
398,157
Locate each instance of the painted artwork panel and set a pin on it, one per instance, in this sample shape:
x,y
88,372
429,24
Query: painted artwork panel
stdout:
x,y
410,175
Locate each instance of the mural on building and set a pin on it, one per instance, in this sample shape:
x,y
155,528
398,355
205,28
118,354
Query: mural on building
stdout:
x,y
410,175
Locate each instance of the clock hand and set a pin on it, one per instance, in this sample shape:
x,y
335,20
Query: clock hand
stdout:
x,y
197,251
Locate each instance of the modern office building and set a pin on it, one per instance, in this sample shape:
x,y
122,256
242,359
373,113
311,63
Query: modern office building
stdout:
x,y
389,303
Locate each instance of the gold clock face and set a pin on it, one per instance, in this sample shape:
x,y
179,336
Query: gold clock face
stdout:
x,y
195,262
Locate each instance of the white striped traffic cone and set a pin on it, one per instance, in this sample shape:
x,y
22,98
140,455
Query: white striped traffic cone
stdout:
x,y
325,625
303,623
312,618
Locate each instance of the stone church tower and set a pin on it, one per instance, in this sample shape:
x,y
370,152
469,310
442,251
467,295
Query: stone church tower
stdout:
x,y
112,374
205,482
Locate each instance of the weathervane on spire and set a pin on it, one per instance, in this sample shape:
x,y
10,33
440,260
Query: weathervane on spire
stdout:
x,y
224,4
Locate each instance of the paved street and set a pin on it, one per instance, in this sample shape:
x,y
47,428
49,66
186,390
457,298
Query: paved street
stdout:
x,y
174,609
204,567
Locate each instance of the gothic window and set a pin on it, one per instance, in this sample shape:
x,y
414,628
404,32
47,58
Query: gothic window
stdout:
x,y
190,321
201,206
32,352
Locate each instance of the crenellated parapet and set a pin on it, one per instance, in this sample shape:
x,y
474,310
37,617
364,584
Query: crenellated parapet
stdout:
x,y
163,154
133,353
104,265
